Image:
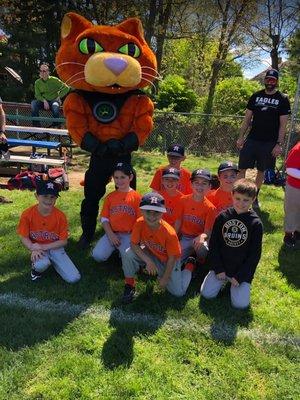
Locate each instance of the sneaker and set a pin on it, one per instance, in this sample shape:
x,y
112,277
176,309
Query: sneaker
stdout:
x,y
35,275
129,294
289,240
84,242
190,260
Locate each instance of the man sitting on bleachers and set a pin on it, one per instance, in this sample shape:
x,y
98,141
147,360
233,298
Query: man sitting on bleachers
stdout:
x,y
48,91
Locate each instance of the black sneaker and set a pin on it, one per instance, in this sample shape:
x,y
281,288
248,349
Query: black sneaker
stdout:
x,y
289,240
190,260
84,242
34,275
129,294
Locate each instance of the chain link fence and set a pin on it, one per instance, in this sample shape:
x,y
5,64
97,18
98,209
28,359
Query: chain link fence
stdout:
x,y
201,134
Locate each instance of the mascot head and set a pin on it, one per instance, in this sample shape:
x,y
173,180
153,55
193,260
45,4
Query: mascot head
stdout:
x,y
107,59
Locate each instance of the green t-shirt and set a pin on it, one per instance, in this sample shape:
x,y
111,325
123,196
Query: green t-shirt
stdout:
x,y
50,89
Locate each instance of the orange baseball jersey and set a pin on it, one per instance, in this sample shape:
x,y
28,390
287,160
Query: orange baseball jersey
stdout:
x,y
162,242
184,185
43,229
196,217
173,206
122,210
220,199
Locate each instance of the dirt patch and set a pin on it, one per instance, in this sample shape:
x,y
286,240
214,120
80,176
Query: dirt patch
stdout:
x,y
75,177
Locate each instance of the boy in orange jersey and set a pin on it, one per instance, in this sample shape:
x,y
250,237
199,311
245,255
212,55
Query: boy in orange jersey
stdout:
x,y
43,229
222,197
172,196
197,217
175,154
154,245
119,213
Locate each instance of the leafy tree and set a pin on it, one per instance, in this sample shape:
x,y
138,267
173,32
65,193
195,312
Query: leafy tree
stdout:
x,y
274,23
232,95
293,48
231,13
175,95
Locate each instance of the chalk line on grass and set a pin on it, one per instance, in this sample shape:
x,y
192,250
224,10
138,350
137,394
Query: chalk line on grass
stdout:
x,y
219,330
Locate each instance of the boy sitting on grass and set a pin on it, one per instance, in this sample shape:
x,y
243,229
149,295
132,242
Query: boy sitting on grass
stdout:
x,y
154,245
235,247
118,215
172,196
197,217
221,198
175,154
43,229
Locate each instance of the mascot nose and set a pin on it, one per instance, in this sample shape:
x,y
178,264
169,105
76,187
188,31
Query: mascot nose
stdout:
x,y
116,65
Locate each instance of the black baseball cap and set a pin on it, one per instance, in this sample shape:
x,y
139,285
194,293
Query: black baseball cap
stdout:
x,y
226,166
124,167
272,73
201,173
153,201
176,150
171,173
47,187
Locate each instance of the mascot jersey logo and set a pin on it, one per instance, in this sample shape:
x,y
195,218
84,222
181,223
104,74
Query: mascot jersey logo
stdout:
x,y
107,65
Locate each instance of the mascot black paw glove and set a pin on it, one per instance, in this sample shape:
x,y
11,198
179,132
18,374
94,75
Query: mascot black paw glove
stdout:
x,y
130,142
91,144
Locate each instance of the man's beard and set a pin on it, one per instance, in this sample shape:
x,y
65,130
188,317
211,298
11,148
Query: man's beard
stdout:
x,y
270,87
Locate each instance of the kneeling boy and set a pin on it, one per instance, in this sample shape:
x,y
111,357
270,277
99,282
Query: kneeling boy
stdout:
x,y
235,247
154,245
43,229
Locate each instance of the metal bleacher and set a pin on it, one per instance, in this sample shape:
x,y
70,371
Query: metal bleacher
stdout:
x,y
19,114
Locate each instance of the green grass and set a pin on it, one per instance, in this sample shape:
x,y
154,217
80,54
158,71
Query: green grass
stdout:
x,y
159,347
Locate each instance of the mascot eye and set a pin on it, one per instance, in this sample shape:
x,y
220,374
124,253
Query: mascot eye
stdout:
x,y
130,49
89,46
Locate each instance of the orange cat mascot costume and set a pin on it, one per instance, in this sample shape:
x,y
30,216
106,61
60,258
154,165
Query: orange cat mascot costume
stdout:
x,y
107,114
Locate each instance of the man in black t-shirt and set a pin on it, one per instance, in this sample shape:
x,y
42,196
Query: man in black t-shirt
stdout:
x,y
267,114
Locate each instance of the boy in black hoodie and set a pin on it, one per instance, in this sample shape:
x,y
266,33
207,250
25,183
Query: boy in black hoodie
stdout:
x,y
235,247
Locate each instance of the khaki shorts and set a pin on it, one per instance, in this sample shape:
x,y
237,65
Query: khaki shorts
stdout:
x,y
291,209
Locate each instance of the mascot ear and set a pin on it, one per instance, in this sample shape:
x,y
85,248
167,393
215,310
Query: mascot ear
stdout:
x,y
73,24
134,27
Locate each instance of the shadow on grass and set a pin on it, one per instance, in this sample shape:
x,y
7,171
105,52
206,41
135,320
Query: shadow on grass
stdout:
x,y
288,259
31,312
225,319
269,227
136,321
142,162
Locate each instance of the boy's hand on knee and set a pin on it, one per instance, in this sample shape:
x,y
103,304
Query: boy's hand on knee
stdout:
x,y
151,268
114,239
221,276
36,255
234,282
199,241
